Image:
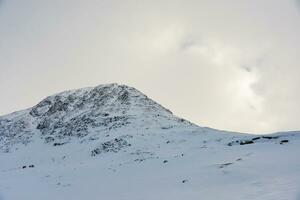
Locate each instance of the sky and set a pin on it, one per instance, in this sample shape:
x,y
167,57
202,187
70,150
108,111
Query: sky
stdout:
x,y
231,65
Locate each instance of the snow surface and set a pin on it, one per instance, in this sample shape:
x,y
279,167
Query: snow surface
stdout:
x,y
113,142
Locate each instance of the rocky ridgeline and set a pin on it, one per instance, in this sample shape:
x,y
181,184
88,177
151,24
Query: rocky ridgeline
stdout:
x,y
79,113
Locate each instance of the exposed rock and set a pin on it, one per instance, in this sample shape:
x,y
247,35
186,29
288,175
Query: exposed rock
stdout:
x,y
59,143
284,141
246,142
256,138
114,145
185,180
225,165
270,137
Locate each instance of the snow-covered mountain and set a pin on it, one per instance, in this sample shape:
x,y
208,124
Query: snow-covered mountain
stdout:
x,y
85,115
113,142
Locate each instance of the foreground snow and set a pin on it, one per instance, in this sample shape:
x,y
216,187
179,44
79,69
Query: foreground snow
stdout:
x,y
153,156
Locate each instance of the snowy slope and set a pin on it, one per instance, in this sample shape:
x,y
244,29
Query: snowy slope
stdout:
x,y
113,142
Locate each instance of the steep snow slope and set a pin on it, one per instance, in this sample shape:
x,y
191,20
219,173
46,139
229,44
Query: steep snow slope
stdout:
x,y
113,142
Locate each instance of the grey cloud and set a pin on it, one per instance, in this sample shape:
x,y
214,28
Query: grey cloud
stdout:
x,y
246,68
188,43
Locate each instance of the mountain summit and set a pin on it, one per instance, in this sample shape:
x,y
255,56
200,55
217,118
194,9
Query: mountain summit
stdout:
x,y
86,113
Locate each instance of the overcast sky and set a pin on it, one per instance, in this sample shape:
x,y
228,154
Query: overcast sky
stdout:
x,y
230,64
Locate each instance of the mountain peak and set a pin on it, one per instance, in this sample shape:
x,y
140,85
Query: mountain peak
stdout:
x,y
84,112
113,98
